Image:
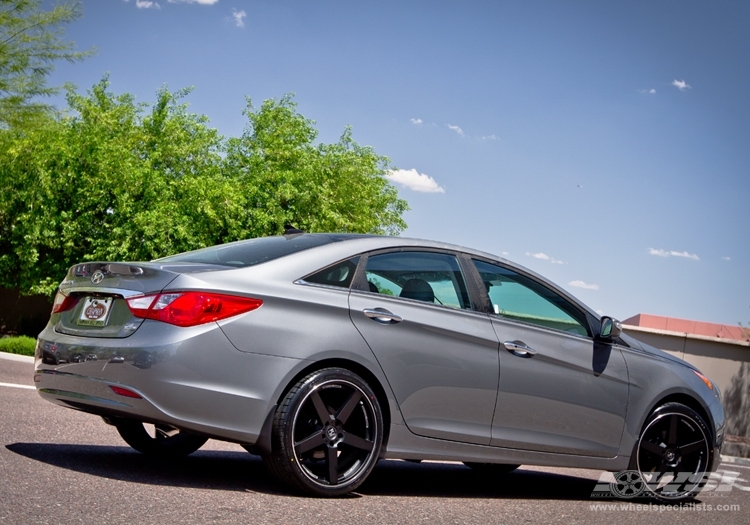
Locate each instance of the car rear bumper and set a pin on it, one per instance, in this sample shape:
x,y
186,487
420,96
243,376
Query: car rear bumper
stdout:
x,y
190,378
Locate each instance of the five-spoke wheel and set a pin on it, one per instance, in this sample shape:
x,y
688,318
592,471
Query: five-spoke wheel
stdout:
x,y
327,433
158,440
673,453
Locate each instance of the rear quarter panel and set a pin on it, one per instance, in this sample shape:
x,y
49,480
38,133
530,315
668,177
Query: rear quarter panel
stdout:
x,y
304,322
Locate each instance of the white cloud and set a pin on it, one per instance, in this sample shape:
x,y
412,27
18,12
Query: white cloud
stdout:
x,y
239,17
146,4
680,84
685,254
415,181
673,253
726,258
489,137
585,286
651,91
544,257
456,129
416,120
201,2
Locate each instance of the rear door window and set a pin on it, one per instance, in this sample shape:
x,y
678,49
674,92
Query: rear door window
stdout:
x,y
430,277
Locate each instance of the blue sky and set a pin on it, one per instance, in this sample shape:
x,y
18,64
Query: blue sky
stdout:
x,y
604,145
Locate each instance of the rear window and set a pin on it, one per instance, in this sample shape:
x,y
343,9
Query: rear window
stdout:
x,y
241,254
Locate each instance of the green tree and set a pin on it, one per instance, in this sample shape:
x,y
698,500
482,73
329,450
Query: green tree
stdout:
x,y
115,180
106,182
31,42
326,187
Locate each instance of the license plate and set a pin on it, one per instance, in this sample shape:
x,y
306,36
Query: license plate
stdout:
x,y
95,311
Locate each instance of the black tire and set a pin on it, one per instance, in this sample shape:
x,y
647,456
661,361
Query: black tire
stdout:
x,y
497,469
164,442
327,434
673,453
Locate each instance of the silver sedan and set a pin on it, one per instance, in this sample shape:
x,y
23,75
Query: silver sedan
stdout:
x,y
326,352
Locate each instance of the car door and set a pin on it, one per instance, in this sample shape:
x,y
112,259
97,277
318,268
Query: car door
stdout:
x,y
560,390
439,355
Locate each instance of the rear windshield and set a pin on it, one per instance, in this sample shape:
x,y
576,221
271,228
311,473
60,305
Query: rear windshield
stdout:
x,y
241,254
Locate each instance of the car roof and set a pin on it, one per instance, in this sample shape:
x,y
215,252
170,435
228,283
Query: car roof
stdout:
x,y
371,242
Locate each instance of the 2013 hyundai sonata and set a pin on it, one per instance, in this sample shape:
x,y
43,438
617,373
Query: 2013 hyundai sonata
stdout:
x,y
326,352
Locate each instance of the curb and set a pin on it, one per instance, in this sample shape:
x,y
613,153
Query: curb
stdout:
x,y
17,357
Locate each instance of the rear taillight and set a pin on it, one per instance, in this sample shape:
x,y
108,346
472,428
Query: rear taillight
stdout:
x,y
190,308
63,302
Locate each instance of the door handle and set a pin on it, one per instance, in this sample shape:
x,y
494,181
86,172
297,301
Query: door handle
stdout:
x,y
519,348
382,316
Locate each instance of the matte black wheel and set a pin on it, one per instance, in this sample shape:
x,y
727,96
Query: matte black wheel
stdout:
x,y
158,440
327,433
491,468
673,453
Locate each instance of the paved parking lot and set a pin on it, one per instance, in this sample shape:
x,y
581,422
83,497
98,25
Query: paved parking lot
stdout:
x,y
62,466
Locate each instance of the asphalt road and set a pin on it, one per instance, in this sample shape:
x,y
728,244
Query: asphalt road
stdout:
x,y
62,466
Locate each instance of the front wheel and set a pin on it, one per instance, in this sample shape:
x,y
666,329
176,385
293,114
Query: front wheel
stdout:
x,y
158,440
673,453
327,433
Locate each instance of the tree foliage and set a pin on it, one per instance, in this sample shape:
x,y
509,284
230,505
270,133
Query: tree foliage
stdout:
x,y
115,180
328,187
31,42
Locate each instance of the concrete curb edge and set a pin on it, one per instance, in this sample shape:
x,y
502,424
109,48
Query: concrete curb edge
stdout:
x,y
16,357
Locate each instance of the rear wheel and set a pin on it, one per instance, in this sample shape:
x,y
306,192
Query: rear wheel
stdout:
x,y
327,433
673,453
158,440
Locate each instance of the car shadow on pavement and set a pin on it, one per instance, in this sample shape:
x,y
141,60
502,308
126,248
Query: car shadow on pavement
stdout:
x,y
453,480
241,471
221,470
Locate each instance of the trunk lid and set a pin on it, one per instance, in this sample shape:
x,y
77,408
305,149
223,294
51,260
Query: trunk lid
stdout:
x,y
99,291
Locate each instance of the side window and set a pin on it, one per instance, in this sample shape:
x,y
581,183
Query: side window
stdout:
x,y
517,297
422,276
340,274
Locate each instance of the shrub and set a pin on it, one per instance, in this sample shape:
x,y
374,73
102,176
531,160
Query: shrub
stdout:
x,y
18,345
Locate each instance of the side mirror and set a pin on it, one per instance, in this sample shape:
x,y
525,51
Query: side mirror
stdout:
x,y
611,328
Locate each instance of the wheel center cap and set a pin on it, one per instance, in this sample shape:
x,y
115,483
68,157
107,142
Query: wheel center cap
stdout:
x,y
331,433
670,455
